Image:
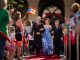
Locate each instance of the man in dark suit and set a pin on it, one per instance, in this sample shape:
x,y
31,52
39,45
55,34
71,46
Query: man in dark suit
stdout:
x,y
37,33
57,38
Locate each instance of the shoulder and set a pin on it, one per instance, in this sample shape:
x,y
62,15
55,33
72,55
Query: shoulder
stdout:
x,y
4,12
60,27
50,26
19,21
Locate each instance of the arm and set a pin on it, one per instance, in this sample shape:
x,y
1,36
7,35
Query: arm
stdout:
x,y
10,22
32,30
52,30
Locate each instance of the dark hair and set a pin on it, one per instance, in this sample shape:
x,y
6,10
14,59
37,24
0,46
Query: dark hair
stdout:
x,y
47,19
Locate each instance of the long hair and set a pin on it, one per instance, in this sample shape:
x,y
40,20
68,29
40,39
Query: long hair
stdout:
x,y
17,16
47,19
3,4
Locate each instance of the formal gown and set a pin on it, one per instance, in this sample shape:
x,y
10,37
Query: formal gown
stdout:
x,y
47,41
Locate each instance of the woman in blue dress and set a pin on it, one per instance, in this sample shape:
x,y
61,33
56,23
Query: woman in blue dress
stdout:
x,y
47,41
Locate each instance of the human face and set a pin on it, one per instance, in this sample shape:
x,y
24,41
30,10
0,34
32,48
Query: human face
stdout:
x,y
56,23
67,20
47,22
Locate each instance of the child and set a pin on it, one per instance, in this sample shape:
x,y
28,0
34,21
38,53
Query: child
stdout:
x,y
10,47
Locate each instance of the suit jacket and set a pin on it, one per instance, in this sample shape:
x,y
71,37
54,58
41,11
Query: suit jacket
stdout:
x,y
36,28
57,33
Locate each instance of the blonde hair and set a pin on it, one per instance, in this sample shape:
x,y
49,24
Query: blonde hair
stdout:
x,y
28,23
75,4
75,7
11,29
3,4
57,21
17,15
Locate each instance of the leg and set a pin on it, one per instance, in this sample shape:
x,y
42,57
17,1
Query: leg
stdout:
x,y
73,52
2,48
32,46
11,52
35,45
39,45
57,49
18,48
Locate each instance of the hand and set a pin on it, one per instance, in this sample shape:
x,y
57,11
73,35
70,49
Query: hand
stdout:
x,y
61,38
38,33
41,29
52,32
65,31
52,36
11,22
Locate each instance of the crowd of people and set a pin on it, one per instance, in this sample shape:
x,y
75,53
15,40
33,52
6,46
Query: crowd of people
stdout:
x,y
46,38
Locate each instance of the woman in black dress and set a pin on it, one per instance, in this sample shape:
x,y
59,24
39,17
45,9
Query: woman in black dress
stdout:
x,y
18,31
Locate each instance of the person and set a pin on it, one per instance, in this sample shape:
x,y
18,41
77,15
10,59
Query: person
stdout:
x,y
11,47
75,8
66,34
36,32
4,20
57,37
19,30
75,25
28,29
47,41
11,12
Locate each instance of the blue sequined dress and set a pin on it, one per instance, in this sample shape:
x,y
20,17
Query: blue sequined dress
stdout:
x,y
47,41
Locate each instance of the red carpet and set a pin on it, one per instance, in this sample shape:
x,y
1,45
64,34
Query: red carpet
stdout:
x,y
43,58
